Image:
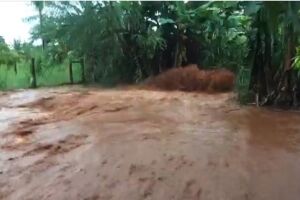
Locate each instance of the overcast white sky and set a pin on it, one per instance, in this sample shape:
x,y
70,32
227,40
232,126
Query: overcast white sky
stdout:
x,y
12,25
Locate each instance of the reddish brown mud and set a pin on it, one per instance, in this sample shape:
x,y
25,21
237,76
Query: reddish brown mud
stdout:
x,y
87,143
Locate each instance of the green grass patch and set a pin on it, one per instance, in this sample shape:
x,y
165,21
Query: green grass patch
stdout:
x,y
58,74
46,76
9,79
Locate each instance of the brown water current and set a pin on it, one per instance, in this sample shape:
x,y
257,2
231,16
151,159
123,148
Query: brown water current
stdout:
x,y
130,144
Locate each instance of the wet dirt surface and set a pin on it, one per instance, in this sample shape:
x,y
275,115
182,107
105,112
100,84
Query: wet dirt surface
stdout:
x,y
88,143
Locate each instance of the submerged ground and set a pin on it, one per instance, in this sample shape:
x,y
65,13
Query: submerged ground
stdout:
x,y
129,144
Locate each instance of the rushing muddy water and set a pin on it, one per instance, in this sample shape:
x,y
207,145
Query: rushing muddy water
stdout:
x,y
87,143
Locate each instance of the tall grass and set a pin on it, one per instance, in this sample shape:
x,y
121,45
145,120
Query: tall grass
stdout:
x,y
46,76
58,74
11,80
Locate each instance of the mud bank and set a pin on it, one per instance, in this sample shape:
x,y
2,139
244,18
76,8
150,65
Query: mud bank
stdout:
x,y
87,143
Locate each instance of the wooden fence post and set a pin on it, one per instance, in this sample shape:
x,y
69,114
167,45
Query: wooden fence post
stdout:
x,y
82,70
33,74
71,72
15,67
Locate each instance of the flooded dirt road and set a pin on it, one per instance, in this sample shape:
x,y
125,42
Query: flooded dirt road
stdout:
x,y
87,143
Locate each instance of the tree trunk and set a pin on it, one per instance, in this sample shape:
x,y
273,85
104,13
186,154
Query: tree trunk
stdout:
x,y
268,59
290,48
41,29
176,54
255,79
286,85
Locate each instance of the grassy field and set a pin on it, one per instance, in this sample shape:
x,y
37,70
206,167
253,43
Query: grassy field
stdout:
x,y
50,76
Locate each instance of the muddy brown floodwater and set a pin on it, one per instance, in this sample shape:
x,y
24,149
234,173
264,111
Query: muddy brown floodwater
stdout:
x,y
130,144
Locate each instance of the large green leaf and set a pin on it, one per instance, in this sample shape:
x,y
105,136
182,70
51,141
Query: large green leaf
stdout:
x,y
163,21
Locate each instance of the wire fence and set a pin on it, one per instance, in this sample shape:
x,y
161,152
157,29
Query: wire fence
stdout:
x,y
21,75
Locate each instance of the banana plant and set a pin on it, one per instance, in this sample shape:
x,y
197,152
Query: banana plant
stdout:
x,y
276,27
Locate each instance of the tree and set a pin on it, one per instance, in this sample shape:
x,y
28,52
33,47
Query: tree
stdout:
x,y
129,41
7,56
2,41
39,29
277,25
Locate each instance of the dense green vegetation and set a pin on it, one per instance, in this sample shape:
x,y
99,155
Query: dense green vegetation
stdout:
x,y
15,68
126,42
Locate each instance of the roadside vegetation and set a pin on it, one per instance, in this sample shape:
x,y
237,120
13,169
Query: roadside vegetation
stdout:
x,y
128,42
